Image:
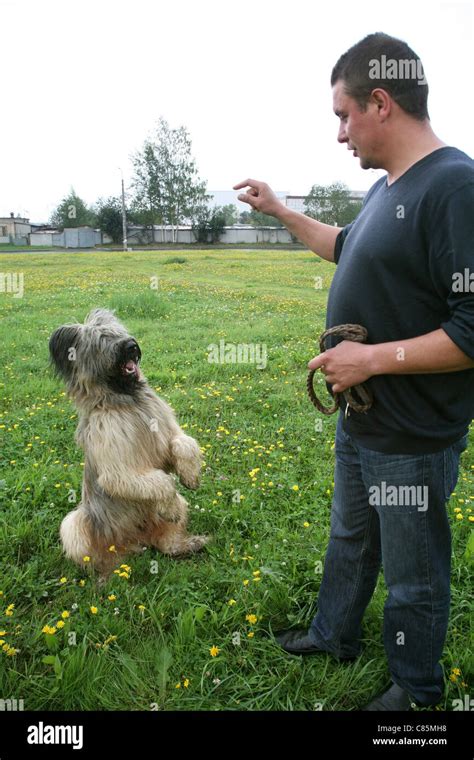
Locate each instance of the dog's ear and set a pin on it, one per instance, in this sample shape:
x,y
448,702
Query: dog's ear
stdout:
x,y
63,345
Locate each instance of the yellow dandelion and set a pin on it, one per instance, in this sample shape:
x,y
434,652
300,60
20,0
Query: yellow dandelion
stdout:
x,y
250,635
65,614
82,583
456,671
111,597
112,548
63,579
252,619
186,683
214,651
295,488
231,602
94,610
246,582
86,558
60,624
178,686
459,517
141,607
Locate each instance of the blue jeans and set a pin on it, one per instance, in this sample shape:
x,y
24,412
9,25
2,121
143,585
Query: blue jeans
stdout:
x,y
406,530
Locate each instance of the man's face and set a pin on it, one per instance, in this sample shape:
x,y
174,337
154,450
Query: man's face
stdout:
x,y
359,129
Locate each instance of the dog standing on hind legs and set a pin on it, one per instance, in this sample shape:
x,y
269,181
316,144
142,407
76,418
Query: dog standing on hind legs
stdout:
x,y
131,442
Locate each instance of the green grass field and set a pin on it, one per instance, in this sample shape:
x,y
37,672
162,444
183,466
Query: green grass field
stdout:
x,y
192,634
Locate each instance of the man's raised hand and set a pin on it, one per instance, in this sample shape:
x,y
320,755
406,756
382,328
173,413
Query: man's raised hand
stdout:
x,y
260,196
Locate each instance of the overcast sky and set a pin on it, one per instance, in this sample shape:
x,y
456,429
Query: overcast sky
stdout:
x,y
84,82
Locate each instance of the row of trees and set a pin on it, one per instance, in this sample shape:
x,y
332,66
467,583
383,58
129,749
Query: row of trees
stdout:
x,y
166,189
106,215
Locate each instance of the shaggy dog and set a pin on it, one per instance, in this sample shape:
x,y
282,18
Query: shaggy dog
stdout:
x,y
131,443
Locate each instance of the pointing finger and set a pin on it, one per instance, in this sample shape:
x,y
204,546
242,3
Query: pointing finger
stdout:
x,y
247,182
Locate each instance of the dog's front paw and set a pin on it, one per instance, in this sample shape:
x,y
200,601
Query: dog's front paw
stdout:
x,y
175,511
191,479
187,461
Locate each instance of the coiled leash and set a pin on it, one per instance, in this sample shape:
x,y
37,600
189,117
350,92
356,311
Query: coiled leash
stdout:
x,y
365,398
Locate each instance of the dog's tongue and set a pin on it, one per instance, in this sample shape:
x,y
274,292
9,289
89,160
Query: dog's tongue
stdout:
x,y
131,367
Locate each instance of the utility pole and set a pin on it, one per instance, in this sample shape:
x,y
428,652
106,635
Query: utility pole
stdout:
x,y
124,218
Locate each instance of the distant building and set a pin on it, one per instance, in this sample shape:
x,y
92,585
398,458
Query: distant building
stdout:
x,y
14,229
224,197
296,202
70,237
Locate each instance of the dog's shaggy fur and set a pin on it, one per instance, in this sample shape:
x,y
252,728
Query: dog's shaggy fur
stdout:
x,y
131,443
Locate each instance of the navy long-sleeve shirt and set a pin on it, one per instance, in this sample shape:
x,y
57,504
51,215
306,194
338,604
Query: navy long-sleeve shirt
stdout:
x,y
403,270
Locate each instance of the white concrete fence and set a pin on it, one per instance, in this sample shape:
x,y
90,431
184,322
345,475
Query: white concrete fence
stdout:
x,y
85,237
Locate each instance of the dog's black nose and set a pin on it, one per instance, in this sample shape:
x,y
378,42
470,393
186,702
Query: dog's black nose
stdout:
x,y
131,348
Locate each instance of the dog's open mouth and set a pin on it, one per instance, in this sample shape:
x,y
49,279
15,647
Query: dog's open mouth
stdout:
x,y
129,367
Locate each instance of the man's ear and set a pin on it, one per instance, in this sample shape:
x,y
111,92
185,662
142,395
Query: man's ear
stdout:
x,y
383,101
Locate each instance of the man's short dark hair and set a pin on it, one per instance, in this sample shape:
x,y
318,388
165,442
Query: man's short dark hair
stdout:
x,y
364,67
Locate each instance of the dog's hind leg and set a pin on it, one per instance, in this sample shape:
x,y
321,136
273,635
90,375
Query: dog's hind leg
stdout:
x,y
173,539
79,540
75,535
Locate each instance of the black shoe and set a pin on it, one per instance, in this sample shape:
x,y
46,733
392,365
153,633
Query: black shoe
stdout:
x,y
296,642
394,699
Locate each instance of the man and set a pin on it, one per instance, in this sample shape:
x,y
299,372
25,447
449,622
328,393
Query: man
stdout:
x,y
396,465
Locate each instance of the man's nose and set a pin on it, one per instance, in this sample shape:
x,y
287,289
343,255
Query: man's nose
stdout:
x,y
341,135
